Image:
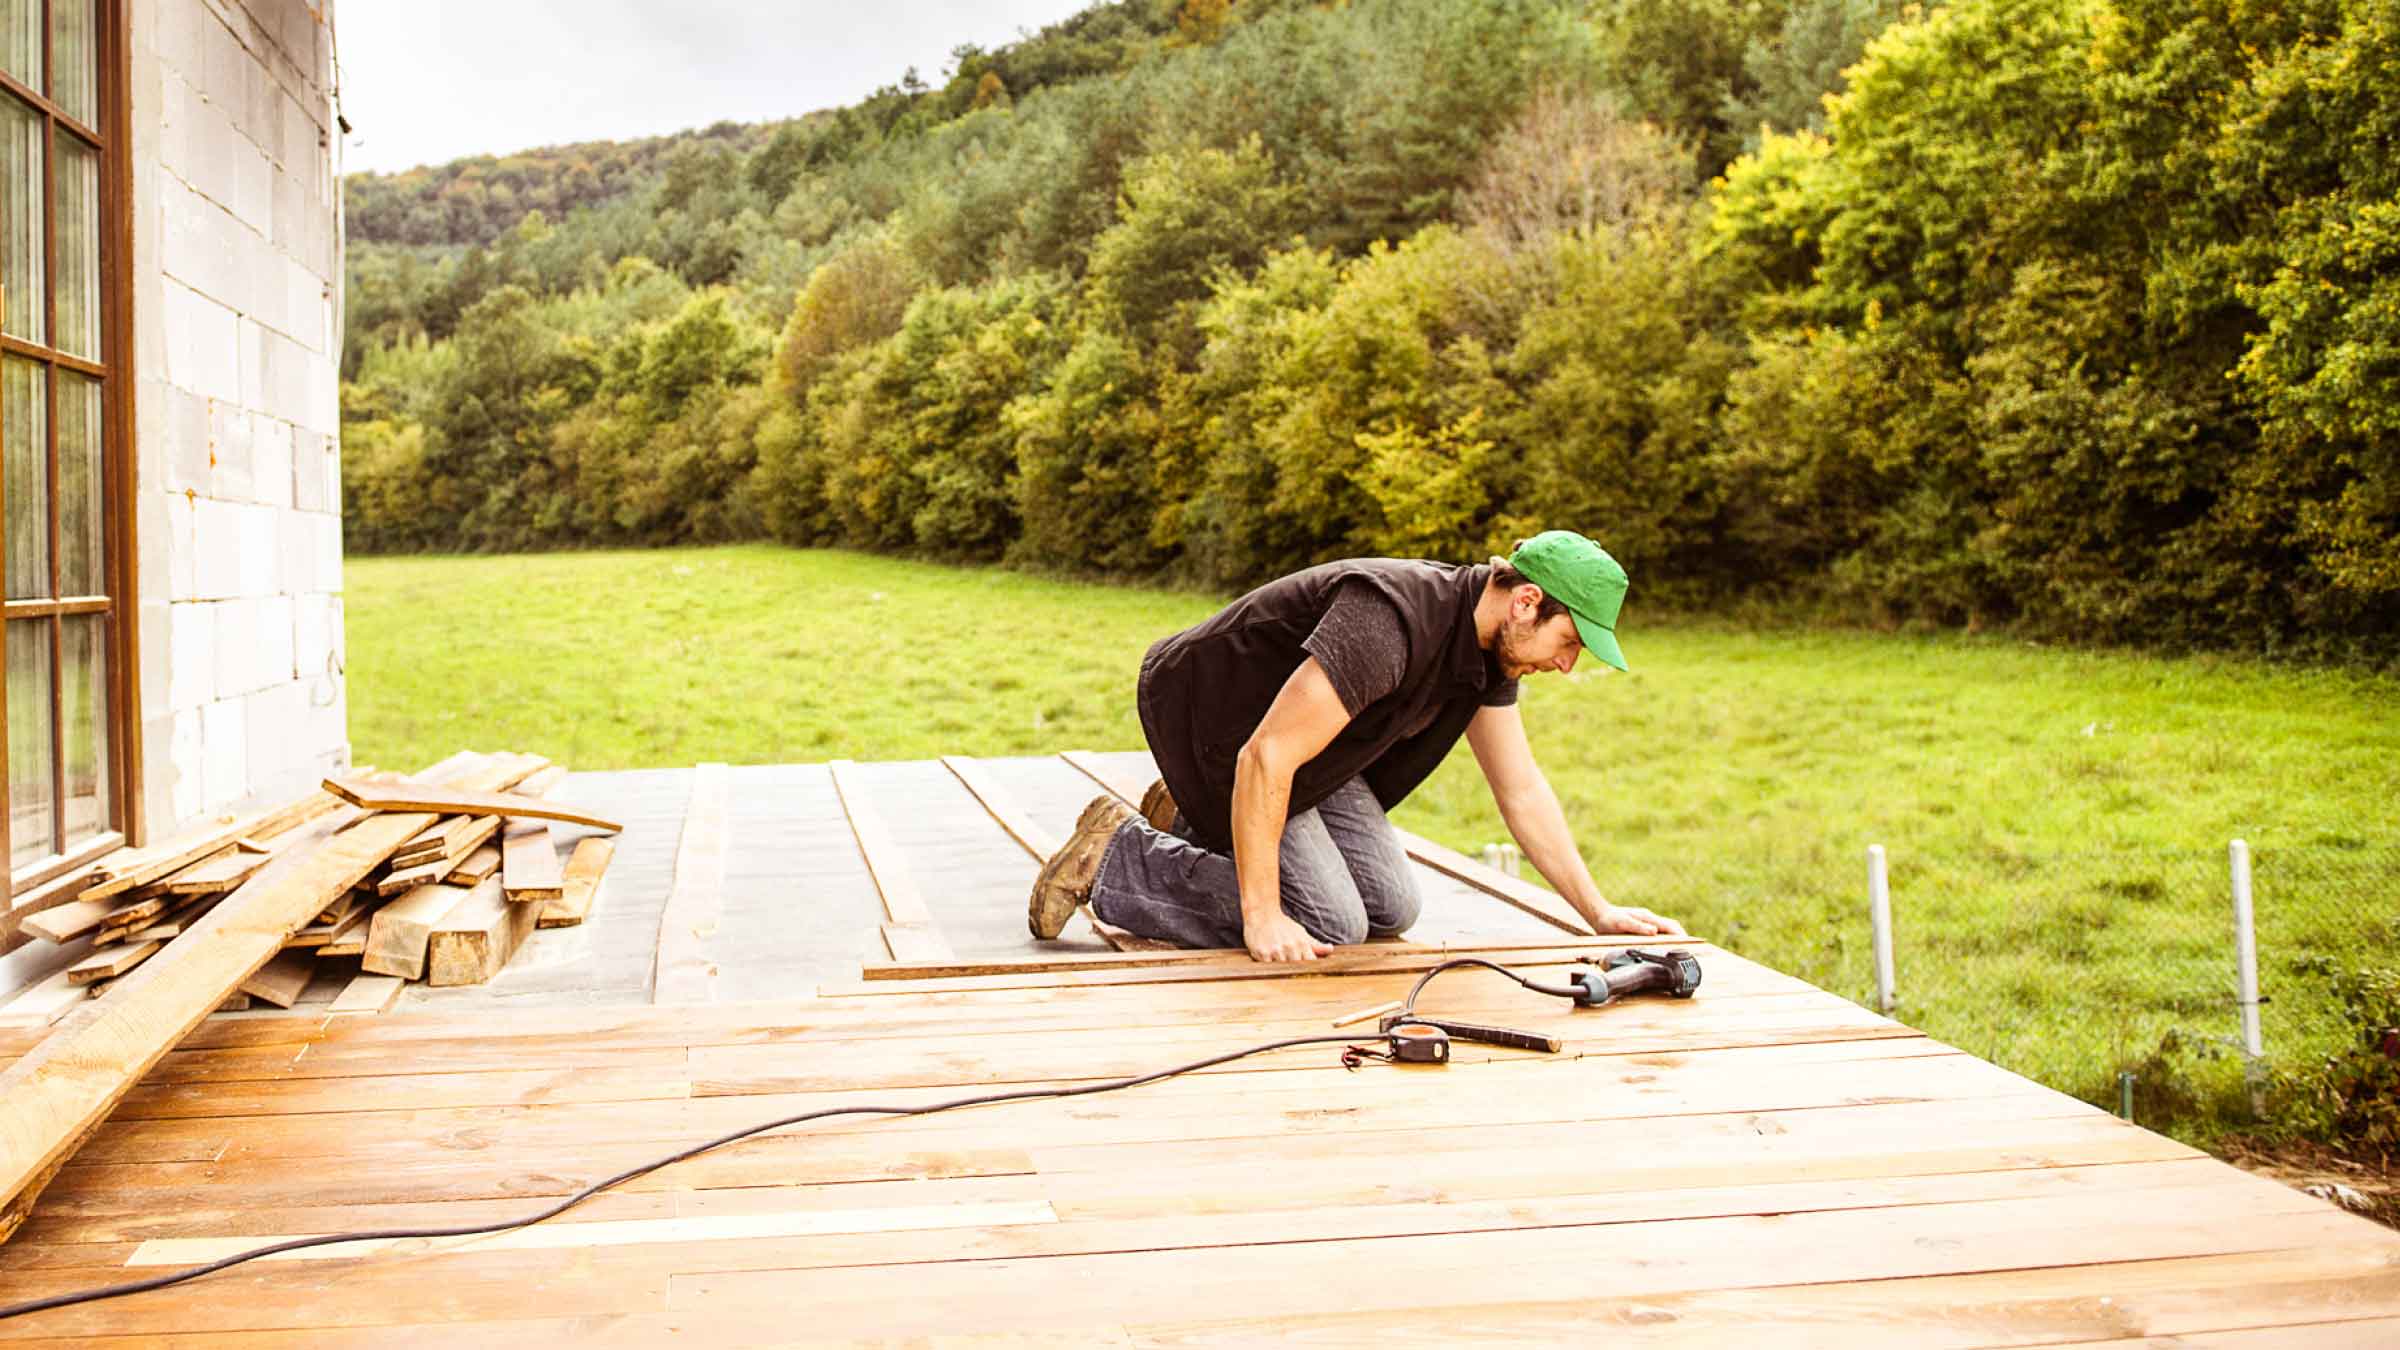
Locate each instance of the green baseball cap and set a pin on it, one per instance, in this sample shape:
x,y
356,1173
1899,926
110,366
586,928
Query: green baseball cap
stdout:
x,y
1580,575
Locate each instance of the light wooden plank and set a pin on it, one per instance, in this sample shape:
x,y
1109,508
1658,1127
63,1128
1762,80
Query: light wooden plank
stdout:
x,y
172,923
1162,968
280,981
329,923
1282,1280
622,1232
915,943
54,894
425,797
478,865
177,855
367,994
111,963
222,872
67,922
350,943
1031,837
2275,1295
397,934
580,883
696,900
441,862
529,870
474,941
349,937
68,1084
902,902
1229,957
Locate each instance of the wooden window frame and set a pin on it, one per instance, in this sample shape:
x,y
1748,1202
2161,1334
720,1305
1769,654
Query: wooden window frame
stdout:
x,y
120,558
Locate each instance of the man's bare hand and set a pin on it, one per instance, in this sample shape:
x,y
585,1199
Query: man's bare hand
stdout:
x,y
1281,938
1639,922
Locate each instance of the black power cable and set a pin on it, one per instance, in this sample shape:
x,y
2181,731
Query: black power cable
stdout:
x,y
1409,1005
1390,1038
393,1234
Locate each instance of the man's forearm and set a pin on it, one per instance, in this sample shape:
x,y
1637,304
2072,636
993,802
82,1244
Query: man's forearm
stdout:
x,y
1539,825
1262,800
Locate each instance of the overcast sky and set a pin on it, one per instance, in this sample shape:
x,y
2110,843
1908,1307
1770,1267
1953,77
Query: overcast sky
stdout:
x,y
427,81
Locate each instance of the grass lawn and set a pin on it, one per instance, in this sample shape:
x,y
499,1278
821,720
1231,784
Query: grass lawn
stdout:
x,y
2056,820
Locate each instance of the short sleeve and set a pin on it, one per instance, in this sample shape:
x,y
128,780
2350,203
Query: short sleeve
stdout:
x,y
1501,694
1361,645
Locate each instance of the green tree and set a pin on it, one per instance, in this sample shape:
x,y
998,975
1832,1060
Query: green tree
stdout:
x,y
1184,217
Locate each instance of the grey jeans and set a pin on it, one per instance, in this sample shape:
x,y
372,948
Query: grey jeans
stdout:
x,y
1345,878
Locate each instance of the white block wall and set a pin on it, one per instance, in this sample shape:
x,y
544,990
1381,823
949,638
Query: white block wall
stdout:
x,y
237,277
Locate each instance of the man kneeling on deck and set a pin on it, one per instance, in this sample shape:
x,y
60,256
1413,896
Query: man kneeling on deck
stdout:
x,y
1288,724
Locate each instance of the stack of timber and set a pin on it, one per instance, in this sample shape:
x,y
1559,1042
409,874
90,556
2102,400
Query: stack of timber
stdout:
x,y
449,905
327,863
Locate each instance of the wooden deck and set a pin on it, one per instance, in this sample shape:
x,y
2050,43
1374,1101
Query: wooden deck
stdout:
x,y
795,903
1765,1163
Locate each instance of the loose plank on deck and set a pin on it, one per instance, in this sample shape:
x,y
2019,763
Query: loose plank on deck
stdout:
x,y
412,796
908,927
696,901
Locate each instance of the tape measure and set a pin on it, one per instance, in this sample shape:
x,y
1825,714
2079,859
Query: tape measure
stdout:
x,y
1416,1043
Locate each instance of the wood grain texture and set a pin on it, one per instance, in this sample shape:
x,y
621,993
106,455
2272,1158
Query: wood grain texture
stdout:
x,y
580,883
366,994
280,981
57,1093
529,870
153,864
1887,1193
112,962
1762,1164
397,934
474,941
482,863
687,924
221,872
415,797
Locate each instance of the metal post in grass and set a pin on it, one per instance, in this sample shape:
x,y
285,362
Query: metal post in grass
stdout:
x,y
2245,961
1879,904
2245,949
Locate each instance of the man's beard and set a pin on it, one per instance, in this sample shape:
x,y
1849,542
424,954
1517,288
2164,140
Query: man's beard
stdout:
x,y
1510,646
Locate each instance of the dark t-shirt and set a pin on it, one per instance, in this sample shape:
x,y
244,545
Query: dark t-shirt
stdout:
x,y
1363,646
1396,639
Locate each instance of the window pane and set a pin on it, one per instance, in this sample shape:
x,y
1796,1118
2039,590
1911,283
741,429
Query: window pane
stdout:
x,y
25,446
32,814
85,694
76,236
21,180
75,59
79,567
21,41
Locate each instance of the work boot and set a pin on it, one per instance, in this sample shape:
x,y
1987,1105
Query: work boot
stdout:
x,y
1158,807
1066,880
